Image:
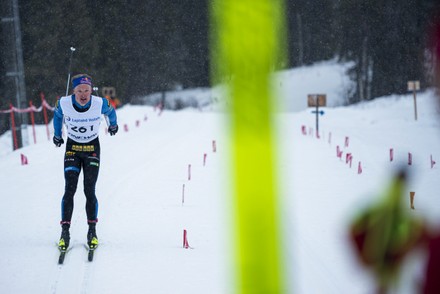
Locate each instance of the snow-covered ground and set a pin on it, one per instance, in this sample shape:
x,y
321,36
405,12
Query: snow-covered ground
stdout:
x,y
144,176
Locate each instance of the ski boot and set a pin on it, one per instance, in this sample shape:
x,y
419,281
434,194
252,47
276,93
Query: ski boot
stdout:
x,y
65,238
92,238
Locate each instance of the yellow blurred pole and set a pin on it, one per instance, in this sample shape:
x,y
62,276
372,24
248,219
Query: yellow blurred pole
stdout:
x,y
246,47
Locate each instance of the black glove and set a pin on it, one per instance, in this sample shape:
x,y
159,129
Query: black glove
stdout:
x,y
58,141
113,130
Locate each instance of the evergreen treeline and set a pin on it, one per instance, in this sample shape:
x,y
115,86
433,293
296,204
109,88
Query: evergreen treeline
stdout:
x,y
138,47
146,46
388,40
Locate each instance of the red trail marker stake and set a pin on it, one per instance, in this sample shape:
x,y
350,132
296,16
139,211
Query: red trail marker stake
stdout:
x,y
349,159
346,141
183,194
24,160
411,199
339,152
359,168
185,240
13,129
214,146
31,113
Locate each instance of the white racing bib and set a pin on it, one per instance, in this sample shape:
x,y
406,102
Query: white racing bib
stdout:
x,y
82,127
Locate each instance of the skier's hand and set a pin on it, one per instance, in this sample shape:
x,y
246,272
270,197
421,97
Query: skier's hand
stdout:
x,y
58,141
113,130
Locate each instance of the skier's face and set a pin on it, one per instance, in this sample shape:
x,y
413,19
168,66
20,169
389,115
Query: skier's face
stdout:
x,y
82,93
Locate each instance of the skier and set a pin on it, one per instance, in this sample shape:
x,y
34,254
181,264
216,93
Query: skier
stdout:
x,y
82,116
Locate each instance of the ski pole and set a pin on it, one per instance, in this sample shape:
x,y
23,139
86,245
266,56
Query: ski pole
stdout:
x,y
72,49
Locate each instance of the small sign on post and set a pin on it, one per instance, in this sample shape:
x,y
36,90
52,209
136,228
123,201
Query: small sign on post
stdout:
x,y
414,86
316,100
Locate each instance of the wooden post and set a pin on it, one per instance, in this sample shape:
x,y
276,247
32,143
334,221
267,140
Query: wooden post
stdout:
x,y
411,198
13,128
415,105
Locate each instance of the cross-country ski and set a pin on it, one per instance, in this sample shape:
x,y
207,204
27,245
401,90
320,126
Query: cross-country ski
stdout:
x,y
61,257
90,252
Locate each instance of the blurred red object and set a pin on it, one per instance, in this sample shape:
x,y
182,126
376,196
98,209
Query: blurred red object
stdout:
x,y
432,273
383,234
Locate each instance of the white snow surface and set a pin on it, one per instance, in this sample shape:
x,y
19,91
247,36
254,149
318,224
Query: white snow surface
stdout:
x,y
142,211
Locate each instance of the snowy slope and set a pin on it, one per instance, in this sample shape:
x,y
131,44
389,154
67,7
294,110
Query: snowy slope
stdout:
x,y
142,216
291,86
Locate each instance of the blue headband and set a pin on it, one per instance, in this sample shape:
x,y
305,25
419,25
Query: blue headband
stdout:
x,y
81,80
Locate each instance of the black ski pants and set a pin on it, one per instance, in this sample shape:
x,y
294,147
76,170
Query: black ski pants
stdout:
x,y
79,156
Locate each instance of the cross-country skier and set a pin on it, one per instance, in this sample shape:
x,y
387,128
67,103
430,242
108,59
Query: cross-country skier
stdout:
x,y
82,116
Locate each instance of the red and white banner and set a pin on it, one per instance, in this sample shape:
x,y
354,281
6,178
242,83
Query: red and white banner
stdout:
x,y
29,109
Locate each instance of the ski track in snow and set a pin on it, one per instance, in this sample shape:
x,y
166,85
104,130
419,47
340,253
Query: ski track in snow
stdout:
x,y
75,275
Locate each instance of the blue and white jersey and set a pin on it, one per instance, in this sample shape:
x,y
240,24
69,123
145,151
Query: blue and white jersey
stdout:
x,y
82,126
